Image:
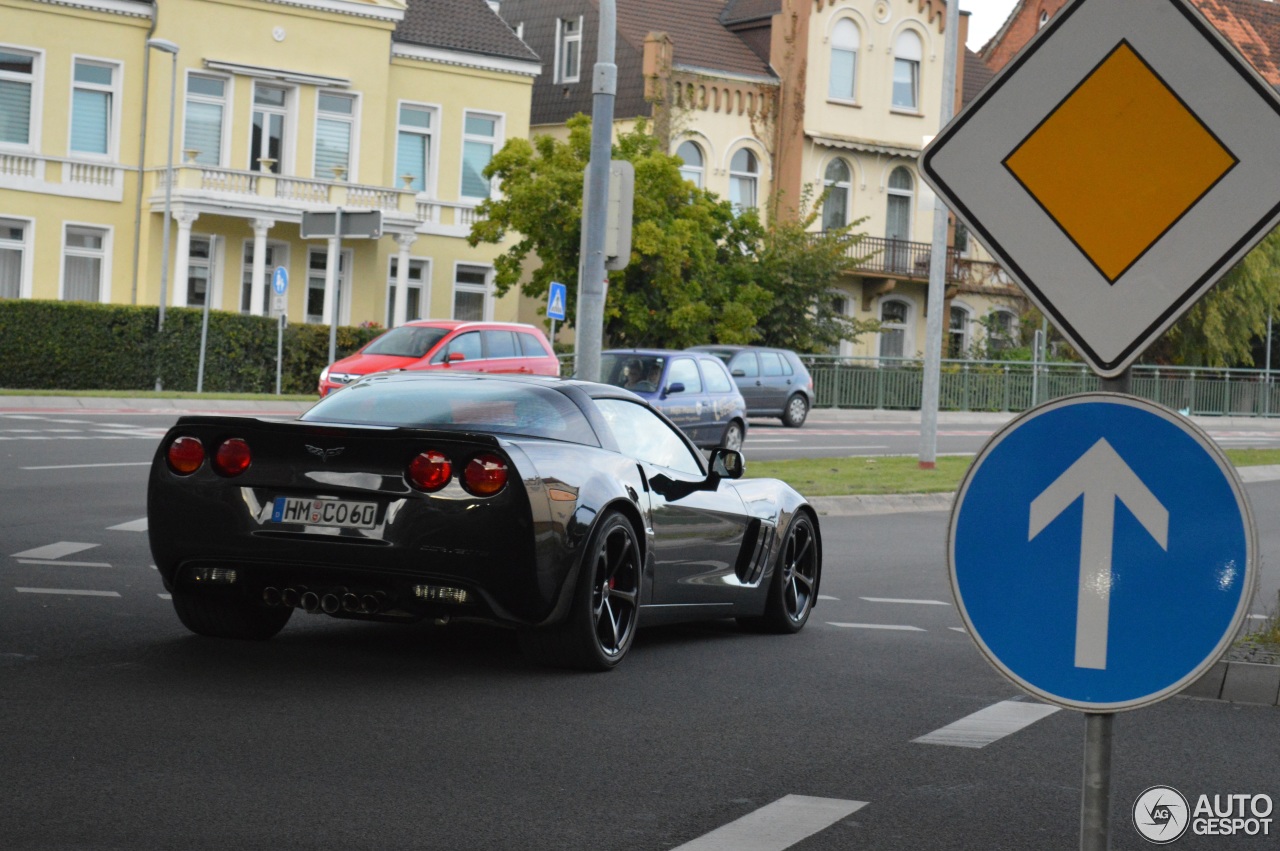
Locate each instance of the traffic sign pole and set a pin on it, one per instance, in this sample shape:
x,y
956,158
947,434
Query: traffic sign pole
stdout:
x,y
1095,800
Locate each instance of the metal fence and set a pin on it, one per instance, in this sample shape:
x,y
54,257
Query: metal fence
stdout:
x,y
896,383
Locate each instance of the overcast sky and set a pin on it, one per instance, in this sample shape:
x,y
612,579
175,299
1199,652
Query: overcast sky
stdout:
x,y
985,18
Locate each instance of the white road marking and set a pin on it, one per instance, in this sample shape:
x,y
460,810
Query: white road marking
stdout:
x,y
823,448
958,629
163,596
1257,617
828,597
67,591
897,600
58,550
774,827
86,466
63,563
877,626
988,725
771,440
139,525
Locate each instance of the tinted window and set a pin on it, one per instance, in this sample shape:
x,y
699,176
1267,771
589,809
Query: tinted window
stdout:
x,y
500,344
684,371
644,436
641,373
530,346
747,363
786,366
718,380
770,363
407,341
457,404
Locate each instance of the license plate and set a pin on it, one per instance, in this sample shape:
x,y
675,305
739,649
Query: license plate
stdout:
x,y
325,512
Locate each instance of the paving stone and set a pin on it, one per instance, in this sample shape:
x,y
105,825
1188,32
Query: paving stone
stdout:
x,y
1251,683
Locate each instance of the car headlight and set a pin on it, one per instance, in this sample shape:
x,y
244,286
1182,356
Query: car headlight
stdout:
x,y
324,375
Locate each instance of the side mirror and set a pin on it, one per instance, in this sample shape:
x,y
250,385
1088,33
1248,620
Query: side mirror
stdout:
x,y
678,387
727,463
453,357
739,373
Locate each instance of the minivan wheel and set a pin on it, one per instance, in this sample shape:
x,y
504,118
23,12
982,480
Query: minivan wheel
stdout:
x,y
732,437
793,416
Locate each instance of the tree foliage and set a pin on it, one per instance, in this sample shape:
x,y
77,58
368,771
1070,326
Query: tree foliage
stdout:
x,y
699,272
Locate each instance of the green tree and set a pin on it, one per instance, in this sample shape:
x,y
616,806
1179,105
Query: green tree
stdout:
x,y
685,283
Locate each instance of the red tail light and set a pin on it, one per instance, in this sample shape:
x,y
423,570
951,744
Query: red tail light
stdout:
x,y
233,457
430,471
186,454
485,475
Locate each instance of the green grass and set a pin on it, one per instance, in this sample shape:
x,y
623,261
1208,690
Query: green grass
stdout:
x,y
902,473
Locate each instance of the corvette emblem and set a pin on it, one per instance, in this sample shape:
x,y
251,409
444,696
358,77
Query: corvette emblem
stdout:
x,y
324,454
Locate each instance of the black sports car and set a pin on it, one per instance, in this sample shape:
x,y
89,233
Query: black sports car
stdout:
x,y
569,510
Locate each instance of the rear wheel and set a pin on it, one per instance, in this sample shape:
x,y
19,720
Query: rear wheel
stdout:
x,y
229,617
795,579
602,623
732,436
793,416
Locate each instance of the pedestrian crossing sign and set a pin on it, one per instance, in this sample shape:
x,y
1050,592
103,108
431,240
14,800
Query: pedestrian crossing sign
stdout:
x,y
556,299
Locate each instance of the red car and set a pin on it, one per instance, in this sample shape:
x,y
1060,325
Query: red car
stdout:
x,y
447,344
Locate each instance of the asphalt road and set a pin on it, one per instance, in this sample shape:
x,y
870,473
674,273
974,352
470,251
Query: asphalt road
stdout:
x,y
121,730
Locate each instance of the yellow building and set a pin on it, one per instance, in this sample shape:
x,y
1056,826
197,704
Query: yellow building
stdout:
x,y
278,109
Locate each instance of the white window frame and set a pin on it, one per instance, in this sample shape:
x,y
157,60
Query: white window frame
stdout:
x,y
907,327
280,257
103,254
841,42
342,309
432,135
287,136
224,102
486,289
909,194
499,129
564,39
1013,326
908,46
25,246
965,334
211,265
694,174
423,286
736,175
35,81
113,114
845,186
353,135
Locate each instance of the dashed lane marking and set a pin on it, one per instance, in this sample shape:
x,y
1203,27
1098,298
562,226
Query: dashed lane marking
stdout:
x,y
58,550
139,525
828,597
52,563
87,466
900,627
910,602
988,725
67,591
774,827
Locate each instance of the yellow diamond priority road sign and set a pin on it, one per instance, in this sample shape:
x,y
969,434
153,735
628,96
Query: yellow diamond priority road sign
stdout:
x,y
1120,165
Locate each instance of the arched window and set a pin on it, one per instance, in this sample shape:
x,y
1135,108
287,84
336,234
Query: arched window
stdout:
x,y
907,53
1044,18
744,171
901,192
1002,330
691,170
844,60
835,211
958,332
893,328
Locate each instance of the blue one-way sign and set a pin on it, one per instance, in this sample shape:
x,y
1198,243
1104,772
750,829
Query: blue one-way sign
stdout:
x,y
1102,552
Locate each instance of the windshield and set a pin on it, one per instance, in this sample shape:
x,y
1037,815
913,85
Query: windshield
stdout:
x,y
457,403
407,341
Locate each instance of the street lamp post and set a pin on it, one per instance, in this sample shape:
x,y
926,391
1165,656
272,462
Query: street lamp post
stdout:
x,y
170,48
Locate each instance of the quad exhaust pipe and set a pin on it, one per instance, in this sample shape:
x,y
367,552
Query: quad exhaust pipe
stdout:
x,y
330,603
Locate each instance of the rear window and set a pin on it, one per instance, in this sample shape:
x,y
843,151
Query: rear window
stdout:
x,y
457,404
718,380
407,341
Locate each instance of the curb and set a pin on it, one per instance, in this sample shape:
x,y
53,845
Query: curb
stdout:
x,y
1238,682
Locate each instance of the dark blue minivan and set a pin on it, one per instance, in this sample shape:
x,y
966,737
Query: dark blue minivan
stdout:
x,y
694,390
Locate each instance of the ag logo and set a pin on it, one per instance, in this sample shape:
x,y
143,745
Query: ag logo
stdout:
x,y
1161,815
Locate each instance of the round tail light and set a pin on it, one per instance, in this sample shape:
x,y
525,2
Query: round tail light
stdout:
x,y
185,455
485,475
430,471
233,457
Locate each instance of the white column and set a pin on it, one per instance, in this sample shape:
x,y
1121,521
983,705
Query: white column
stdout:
x,y
182,257
260,228
405,242
330,281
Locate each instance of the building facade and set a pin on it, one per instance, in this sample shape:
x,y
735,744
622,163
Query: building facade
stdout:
x,y
275,109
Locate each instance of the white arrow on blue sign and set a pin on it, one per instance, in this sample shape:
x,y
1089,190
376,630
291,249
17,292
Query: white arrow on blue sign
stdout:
x,y
1102,552
556,299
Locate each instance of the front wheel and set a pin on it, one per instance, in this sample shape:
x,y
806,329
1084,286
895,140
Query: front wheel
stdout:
x,y
793,416
602,622
795,580
732,437
229,617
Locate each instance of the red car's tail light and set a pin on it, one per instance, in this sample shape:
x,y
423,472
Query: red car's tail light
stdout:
x,y
233,457
185,455
485,475
430,471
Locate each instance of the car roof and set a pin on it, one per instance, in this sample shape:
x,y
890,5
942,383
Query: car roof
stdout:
x,y
650,352
452,324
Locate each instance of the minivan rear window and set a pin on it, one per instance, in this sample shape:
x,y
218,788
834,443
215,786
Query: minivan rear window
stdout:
x,y
407,341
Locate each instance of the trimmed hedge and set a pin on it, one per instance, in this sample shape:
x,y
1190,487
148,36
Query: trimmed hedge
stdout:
x,y
55,345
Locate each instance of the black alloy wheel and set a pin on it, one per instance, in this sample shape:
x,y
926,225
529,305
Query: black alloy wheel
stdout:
x,y
219,616
602,624
795,580
793,416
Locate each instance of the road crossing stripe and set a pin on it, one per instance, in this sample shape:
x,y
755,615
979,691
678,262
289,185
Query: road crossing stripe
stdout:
x,y
988,725
896,600
58,550
877,626
774,827
63,563
67,591
132,526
